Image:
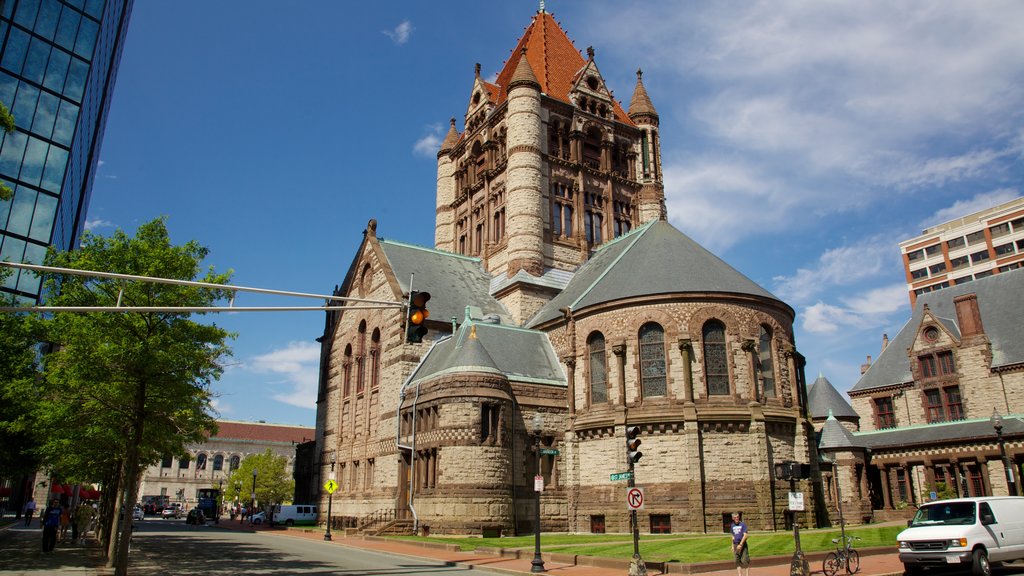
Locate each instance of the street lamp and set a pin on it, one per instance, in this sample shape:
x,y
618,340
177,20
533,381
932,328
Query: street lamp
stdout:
x,y
330,497
537,565
238,496
220,500
252,502
997,423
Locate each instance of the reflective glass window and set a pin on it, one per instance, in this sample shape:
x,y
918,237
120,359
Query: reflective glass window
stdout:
x,y
21,211
14,52
86,38
35,60
67,29
11,153
13,250
6,8
46,113
56,70
76,3
64,129
34,253
42,219
32,165
25,104
8,87
28,281
53,174
94,8
75,85
46,23
26,15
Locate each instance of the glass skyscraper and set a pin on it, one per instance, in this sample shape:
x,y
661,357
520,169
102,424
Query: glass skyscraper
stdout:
x,y
58,63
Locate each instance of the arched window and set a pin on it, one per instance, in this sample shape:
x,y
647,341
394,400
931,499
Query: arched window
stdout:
x,y
201,461
375,358
598,369
365,281
346,372
218,462
716,364
184,462
361,358
652,360
765,366
233,463
592,148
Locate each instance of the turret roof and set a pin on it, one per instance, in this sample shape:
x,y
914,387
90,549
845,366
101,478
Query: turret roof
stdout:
x,y
641,102
823,399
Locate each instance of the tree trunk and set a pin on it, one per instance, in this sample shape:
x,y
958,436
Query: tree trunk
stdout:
x,y
106,521
131,479
112,524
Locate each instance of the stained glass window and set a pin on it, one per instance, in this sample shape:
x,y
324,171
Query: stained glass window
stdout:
x,y
598,369
716,364
766,367
652,360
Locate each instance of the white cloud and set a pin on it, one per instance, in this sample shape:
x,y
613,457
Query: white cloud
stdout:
x,y
837,267
429,144
296,367
400,34
961,208
869,310
97,224
222,408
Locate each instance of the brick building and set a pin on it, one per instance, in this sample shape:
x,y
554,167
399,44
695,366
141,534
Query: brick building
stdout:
x,y
927,406
564,308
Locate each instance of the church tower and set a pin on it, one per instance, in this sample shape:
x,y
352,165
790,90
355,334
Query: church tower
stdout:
x,y
549,167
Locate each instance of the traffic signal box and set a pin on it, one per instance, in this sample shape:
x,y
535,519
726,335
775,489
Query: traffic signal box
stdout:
x,y
633,453
415,321
790,470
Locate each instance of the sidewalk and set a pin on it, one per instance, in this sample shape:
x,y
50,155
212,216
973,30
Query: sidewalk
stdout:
x,y
873,562
21,553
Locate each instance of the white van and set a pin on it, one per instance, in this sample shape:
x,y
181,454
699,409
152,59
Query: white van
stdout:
x,y
966,532
291,515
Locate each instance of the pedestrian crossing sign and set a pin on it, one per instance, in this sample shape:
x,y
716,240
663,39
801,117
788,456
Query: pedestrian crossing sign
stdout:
x,y
331,486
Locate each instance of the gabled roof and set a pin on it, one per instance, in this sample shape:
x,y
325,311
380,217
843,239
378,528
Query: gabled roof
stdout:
x,y
999,302
554,60
481,347
823,399
453,280
933,434
261,432
653,259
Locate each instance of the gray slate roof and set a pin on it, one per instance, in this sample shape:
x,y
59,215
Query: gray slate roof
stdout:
x,y
823,399
454,281
653,259
1001,303
519,354
835,437
932,434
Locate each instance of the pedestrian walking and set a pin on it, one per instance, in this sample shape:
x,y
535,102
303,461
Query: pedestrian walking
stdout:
x,y
83,516
739,545
30,509
65,522
51,524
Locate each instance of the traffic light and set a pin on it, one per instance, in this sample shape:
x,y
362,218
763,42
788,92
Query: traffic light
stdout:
x,y
633,453
415,327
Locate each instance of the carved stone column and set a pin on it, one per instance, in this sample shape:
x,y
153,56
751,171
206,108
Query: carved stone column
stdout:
x,y
570,374
620,352
686,351
886,487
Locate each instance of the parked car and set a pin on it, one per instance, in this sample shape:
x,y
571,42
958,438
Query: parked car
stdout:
x,y
196,516
964,532
172,510
293,514
259,518
138,513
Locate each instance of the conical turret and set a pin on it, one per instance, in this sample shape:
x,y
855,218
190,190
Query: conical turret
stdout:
x,y
640,105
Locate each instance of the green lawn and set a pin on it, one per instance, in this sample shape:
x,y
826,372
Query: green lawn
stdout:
x,y
686,548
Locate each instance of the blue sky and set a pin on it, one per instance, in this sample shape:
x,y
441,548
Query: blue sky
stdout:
x,y
801,142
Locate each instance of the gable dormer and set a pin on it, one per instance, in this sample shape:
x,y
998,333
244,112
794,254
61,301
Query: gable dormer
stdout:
x,y
483,98
589,93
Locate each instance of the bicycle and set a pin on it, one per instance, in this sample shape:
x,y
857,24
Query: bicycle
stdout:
x,y
844,557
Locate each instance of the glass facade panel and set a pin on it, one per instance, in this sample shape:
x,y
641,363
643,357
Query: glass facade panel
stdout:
x,y
26,15
49,15
14,51
25,104
86,38
74,87
8,88
42,220
56,70
32,164
67,30
35,61
11,153
94,8
21,211
54,172
46,113
64,129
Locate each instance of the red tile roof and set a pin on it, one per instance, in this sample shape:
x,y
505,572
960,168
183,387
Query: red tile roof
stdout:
x,y
554,59
230,430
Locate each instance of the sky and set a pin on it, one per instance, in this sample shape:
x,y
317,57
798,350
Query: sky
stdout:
x,y
801,141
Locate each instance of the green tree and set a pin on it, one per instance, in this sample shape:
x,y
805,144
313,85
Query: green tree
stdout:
x,y
19,389
122,388
273,483
7,125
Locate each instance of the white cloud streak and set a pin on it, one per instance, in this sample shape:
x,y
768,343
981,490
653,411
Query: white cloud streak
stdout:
x,y
400,34
840,266
294,367
430,143
868,310
975,204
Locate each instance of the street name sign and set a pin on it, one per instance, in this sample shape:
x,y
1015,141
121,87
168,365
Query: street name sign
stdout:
x,y
330,486
548,452
621,476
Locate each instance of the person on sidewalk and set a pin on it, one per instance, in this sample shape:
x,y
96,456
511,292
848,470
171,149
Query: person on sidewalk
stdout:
x,y
50,520
739,545
30,510
83,516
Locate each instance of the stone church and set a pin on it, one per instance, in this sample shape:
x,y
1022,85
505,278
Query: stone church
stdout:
x,y
564,307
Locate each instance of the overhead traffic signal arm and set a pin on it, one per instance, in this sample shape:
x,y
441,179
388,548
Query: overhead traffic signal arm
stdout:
x,y
633,453
416,318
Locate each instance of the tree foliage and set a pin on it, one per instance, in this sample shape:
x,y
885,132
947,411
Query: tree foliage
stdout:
x,y
123,388
7,125
19,387
273,483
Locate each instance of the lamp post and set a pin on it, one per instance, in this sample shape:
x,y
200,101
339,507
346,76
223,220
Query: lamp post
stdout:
x,y
330,497
252,501
537,565
220,500
997,423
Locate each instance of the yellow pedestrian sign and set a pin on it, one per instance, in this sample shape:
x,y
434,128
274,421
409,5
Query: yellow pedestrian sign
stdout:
x,y
331,486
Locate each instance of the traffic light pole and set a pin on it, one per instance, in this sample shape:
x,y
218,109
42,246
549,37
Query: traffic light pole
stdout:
x,y
798,566
636,565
